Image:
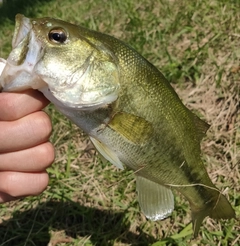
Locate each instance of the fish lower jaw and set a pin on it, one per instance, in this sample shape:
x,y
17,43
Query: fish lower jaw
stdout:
x,y
14,78
78,100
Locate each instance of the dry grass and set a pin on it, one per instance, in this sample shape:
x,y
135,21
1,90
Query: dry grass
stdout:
x,y
88,201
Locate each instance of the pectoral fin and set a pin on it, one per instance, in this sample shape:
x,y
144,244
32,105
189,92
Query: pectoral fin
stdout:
x,y
134,128
107,153
156,201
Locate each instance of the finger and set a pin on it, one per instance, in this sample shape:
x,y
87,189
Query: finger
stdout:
x,y
15,105
6,198
16,184
33,159
29,131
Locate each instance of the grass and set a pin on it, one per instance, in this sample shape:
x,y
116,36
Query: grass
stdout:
x,y
88,201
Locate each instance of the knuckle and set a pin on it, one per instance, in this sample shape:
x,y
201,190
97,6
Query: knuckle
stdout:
x,y
8,107
44,122
8,179
38,125
41,183
48,153
41,156
23,184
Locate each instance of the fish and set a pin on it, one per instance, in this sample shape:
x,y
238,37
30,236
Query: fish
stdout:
x,y
127,107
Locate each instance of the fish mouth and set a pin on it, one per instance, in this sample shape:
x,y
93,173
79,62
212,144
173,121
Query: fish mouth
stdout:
x,y
22,28
18,73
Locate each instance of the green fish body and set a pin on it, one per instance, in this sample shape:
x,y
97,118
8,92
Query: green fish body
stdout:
x,y
130,111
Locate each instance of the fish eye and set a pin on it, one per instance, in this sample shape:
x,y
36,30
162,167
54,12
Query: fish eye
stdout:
x,y
57,36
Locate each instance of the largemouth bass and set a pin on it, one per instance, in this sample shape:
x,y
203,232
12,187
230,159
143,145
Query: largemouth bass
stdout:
x,y
126,106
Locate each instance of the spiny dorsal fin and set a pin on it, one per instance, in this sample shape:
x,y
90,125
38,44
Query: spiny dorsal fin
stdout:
x,y
156,201
107,153
201,126
134,128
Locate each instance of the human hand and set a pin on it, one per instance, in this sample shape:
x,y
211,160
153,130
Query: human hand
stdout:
x,y
25,151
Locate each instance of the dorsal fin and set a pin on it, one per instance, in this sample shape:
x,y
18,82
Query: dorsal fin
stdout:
x,y
201,126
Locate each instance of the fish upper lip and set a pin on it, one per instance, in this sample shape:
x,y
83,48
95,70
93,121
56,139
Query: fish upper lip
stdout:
x,y
21,30
18,72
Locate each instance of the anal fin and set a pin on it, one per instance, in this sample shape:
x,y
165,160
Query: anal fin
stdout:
x,y
156,201
107,153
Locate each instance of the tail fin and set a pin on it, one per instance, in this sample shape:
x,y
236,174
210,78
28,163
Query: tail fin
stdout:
x,y
218,209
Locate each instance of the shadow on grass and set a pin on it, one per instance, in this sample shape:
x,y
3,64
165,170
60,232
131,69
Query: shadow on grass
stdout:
x,y
10,8
32,227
